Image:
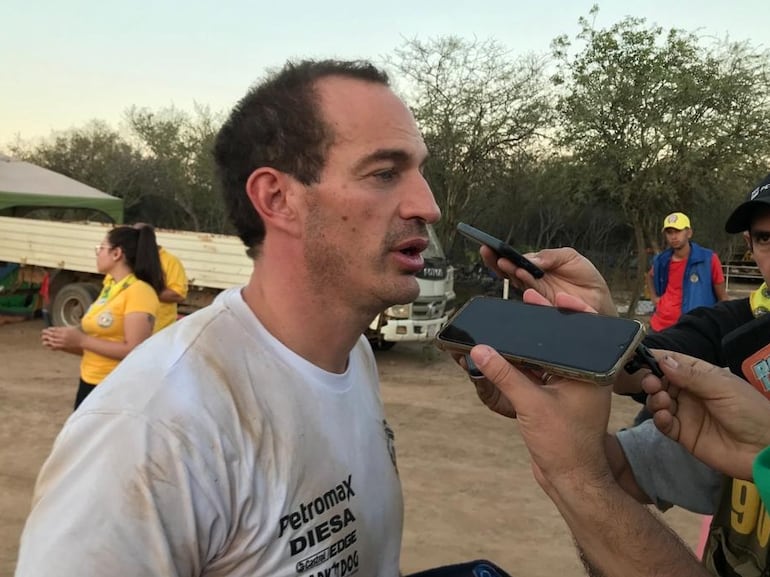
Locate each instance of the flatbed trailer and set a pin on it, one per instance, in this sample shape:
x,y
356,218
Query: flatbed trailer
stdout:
x,y
65,252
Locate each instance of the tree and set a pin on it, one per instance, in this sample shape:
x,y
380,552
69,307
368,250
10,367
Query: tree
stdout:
x,y
662,121
96,155
178,148
476,109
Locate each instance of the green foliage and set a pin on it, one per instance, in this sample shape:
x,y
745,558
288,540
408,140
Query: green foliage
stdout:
x,y
664,122
636,122
177,149
163,168
478,109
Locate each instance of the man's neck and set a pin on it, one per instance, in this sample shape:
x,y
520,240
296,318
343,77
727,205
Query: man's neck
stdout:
x,y
317,327
682,253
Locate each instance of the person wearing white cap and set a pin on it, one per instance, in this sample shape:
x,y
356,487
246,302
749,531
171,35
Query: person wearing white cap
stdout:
x,y
683,277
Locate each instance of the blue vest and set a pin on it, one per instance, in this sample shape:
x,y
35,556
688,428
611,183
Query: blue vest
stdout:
x,y
694,294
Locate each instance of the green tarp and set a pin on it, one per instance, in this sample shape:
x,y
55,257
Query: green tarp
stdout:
x,y
24,185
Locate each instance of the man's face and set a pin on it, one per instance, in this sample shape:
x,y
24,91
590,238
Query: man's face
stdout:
x,y
677,239
759,243
366,217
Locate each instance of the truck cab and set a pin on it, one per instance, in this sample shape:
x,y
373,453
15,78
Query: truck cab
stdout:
x,y
422,319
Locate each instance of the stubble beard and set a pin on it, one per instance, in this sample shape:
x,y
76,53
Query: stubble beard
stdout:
x,y
332,273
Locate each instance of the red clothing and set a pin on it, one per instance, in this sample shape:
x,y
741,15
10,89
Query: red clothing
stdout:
x,y
669,307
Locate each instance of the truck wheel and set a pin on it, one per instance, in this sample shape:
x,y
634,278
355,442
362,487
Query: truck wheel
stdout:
x,y
72,302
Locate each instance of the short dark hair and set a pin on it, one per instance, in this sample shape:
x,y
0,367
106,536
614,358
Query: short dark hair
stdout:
x,y
279,124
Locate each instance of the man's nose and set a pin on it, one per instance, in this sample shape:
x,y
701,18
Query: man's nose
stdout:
x,y
419,202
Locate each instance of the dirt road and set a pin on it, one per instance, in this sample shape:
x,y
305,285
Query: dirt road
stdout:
x,y
468,487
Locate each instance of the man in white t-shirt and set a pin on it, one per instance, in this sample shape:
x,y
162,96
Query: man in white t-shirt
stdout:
x,y
249,439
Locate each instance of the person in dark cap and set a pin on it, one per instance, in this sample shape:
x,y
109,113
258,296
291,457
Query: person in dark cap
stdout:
x,y
647,464
729,334
758,200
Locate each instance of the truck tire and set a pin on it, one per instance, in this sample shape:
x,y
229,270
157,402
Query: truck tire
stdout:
x,y
72,302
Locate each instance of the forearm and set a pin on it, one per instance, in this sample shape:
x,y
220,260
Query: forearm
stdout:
x,y
105,348
170,296
605,520
73,351
720,290
621,471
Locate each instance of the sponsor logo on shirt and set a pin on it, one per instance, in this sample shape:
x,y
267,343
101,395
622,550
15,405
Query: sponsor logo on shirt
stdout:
x,y
311,526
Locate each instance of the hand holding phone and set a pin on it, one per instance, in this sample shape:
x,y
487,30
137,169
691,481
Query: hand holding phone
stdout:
x,y
643,358
578,345
473,371
501,248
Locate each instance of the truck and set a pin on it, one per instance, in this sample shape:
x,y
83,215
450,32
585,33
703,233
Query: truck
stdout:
x,y
422,319
63,253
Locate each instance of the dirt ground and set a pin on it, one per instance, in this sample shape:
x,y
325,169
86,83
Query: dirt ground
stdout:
x,y
468,487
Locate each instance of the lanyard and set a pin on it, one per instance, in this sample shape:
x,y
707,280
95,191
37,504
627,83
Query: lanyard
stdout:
x,y
113,289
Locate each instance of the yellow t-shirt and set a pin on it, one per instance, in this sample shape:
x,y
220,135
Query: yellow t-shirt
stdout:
x,y
175,278
105,320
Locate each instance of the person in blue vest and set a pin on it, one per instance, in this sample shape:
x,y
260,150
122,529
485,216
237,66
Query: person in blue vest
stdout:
x,y
683,277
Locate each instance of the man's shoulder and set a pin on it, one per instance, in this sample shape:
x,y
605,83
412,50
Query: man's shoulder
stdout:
x,y
208,329
701,252
736,311
185,371
738,308
661,259
708,322
167,257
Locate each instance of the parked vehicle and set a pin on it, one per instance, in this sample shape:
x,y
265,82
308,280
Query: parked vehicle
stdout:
x,y
421,319
64,251
59,257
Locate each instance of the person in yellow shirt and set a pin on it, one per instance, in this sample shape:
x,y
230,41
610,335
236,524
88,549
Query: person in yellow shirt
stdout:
x,y
124,313
175,285
174,291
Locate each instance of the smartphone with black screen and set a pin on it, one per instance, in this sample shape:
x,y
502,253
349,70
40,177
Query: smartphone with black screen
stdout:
x,y
500,247
578,345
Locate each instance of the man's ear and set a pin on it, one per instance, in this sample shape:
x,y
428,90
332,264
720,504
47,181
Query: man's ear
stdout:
x,y
747,238
272,195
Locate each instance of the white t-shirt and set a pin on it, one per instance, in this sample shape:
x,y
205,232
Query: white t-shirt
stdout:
x,y
215,450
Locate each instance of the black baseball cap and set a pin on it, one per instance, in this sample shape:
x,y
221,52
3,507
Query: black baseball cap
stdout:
x,y
740,219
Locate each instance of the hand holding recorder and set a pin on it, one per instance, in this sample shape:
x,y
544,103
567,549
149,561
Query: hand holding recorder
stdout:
x,y
501,248
717,416
564,270
563,422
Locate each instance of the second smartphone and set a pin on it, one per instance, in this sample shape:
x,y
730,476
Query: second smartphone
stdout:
x,y
578,345
501,248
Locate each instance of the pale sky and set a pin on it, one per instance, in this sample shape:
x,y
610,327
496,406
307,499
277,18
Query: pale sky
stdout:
x,y
64,62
